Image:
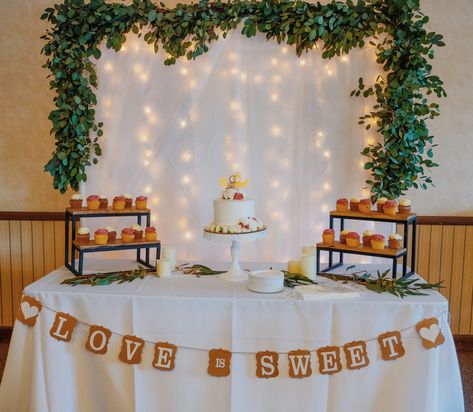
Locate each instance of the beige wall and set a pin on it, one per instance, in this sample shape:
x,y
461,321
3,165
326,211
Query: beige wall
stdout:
x,y
25,101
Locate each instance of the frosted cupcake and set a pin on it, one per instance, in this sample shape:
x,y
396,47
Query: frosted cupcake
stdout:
x,y
380,203
343,236
128,200
364,206
141,202
395,241
101,237
93,202
118,203
353,240
377,242
83,236
112,234
367,235
76,201
354,202
404,206
390,207
328,237
342,205
128,235
138,232
103,201
150,234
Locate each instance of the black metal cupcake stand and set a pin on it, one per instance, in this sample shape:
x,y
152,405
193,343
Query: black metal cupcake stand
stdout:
x,y
74,248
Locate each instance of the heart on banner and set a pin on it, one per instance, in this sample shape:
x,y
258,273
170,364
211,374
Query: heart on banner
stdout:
x,y
430,333
29,310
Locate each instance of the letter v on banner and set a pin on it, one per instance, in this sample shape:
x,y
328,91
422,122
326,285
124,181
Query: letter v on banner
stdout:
x,y
299,363
132,346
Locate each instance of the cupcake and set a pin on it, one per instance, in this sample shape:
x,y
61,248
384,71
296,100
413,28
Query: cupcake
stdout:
x,y
328,237
380,203
76,201
364,206
93,202
118,203
343,236
395,241
83,236
342,205
141,202
128,200
138,232
404,206
128,235
103,201
101,237
112,234
377,241
354,202
390,207
150,234
367,235
353,240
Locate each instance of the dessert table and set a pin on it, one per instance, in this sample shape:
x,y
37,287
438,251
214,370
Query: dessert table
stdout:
x,y
198,314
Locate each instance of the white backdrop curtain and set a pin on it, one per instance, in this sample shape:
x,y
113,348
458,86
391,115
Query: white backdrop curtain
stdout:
x,y
248,105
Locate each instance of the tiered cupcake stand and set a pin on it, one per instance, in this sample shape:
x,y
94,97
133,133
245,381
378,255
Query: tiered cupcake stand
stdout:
x,y
73,247
406,220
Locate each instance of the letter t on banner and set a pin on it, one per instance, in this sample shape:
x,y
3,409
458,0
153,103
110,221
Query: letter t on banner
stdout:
x,y
391,346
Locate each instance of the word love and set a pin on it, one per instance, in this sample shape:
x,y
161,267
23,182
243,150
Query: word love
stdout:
x,y
328,360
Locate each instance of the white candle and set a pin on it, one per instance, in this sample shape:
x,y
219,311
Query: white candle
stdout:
x,y
163,268
308,267
171,255
294,266
308,250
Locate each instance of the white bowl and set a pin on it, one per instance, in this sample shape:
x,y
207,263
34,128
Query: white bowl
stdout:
x,y
266,281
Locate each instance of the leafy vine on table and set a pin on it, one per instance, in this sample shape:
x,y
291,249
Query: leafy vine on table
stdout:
x,y
396,29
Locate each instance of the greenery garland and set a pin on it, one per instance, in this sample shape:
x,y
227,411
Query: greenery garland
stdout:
x,y
395,28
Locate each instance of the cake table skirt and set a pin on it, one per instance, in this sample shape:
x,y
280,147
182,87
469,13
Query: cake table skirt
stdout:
x,y
199,314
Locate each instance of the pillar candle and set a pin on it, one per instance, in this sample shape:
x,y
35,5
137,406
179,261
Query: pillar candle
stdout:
x,y
294,266
163,268
308,250
171,255
308,267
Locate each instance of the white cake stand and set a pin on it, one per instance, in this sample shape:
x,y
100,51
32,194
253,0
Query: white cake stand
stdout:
x,y
235,273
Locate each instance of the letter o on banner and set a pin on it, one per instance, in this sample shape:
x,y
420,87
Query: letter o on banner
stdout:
x,y
98,339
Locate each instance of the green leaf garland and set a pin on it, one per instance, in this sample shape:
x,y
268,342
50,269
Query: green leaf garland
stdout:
x,y
395,28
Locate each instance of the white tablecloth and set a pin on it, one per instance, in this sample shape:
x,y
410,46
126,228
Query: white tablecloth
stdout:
x,y
43,374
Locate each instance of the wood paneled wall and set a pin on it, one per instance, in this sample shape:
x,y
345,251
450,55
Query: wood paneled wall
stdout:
x,y
32,245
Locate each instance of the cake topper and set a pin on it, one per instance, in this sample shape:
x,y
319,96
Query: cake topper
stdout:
x,y
233,182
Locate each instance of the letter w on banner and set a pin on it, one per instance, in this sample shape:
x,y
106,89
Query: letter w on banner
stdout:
x,y
299,363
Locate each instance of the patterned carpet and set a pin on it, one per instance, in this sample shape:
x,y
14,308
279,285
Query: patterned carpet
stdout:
x,y
465,358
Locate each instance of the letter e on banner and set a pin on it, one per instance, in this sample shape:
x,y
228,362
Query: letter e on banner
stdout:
x,y
219,362
329,360
391,346
356,354
132,346
98,338
164,356
29,310
63,326
267,364
299,363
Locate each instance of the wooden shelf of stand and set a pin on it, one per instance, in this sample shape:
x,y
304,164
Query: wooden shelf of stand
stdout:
x,y
114,244
109,211
362,250
374,216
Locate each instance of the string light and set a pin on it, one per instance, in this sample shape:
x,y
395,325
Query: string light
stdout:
x,y
147,110
243,77
274,97
327,187
284,50
183,123
186,156
327,154
274,61
234,105
275,183
143,77
276,78
276,131
188,235
345,59
155,200
324,208
192,83
186,179
108,67
184,71
182,222
146,162
320,134
302,62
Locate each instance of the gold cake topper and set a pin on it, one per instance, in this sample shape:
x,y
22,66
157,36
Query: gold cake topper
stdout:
x,y
233,182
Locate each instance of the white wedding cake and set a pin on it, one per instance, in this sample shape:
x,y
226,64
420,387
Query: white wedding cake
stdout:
x,y
233,211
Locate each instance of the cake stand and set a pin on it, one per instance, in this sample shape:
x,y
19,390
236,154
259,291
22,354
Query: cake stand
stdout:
x,y
235,273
